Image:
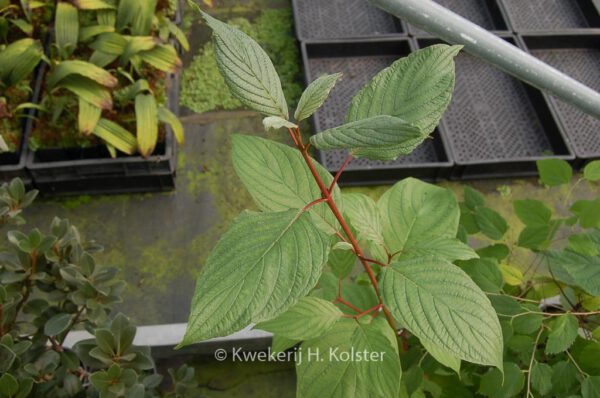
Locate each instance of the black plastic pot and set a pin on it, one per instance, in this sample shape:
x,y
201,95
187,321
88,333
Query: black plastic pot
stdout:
x,y
578,56
343,19
359,61
553,15
72,171
489,14
496,125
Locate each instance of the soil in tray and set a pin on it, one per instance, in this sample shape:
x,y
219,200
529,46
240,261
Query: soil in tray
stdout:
x,y
582,64
552,14
492,117
333,19
485,13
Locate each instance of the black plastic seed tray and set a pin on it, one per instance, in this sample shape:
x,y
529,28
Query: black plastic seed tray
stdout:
x,y
489,14
359,61
496,125
579,57
72,171
552,15
343,19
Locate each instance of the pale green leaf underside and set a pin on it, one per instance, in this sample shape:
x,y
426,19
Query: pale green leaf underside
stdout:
x,y
247,69
327,377
416,88
278,179
308,319
259,268
438,302
363,214
276,123
449,249
315,95
416,215
380,137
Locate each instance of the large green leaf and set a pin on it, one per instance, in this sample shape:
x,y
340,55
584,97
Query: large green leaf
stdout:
x,y
564,331
247,70
315,95
576,269
278,179
532,212
420,218
380,137
416,88
308,319
554,171
322,372
436,301
146,123
260,267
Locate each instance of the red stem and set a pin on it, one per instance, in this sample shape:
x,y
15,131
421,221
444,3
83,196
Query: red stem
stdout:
x,y
339,173
347,304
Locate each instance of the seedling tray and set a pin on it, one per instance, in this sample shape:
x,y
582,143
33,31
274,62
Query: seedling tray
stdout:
x,y
579,57
496,125
552,15
73,171
488,14
343,19
359,61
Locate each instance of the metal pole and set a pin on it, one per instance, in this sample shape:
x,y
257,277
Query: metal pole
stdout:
x,y
477,41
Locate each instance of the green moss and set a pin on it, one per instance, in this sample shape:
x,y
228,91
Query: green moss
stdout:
x,y
75,202
203,88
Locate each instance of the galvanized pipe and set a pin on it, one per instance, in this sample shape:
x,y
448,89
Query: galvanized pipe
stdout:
x,y
477,41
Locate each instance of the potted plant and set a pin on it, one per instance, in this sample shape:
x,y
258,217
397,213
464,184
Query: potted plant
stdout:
x,y
108,94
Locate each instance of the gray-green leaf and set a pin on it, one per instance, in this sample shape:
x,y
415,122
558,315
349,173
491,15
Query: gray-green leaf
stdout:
x,y
259,268
315,95
57,324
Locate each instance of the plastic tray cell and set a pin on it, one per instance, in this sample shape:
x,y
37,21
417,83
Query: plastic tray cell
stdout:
x,y
552,15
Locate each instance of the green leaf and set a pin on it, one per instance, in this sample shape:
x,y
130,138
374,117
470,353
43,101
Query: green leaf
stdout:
x,y
146,123
58,324
163,57
491,223
92,5
109,43
9,386
536,237
414,213
18,60
416,88
495,385
278,179
86,33
564,331
325,374
554,171
443,356
364,216
541,378
591,172
276,123
315,95
135,45
532,212
88,90
259,268
498,251
341,261
590,387
380,137
564,378
485,273
588,212
308,319
116,136
247,70
281,344
168,117
88,116
7,357
576,269
583,244
66,27
473,198
438,302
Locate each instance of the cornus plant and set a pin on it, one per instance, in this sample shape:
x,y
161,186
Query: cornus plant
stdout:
x,y
289,268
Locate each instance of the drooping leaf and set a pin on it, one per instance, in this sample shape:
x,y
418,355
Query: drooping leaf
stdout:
x,y
315,95
416,88
136,44
18,60
88,116
276,123
88,91
438,302
109,43
380,137
166,116
554,171
247,70
591,172
326,376
491,223
308,319
576,269
278,179
259,268
88,32
564,331
81,68
116,136
146,123
163,57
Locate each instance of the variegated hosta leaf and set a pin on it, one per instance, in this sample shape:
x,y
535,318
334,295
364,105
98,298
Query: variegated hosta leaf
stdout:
x,y
81,68
315,95
88,116
116,136
67,27
380,137
323,373
260,267
166,116
438,302
146,123
247,70
278,179
416,88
